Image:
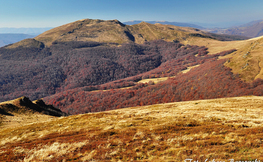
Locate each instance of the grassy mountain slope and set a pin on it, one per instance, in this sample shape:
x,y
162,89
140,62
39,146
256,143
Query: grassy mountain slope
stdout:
x,y
207,129
247,61
111,31
216,46
114,31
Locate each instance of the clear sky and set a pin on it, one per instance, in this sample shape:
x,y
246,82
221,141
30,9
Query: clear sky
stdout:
x,y
52,13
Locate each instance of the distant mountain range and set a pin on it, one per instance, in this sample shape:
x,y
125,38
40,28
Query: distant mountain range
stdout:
x,y
6,39
12,35
251,29
30,31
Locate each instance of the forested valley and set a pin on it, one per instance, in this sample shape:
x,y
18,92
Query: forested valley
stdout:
x,y
82,77
43,71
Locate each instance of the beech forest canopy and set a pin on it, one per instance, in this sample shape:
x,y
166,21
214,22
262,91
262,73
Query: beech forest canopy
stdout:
x,y
210,80
66,73
41,71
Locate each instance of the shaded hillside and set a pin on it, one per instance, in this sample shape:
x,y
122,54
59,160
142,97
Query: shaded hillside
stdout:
x,y
252,29
217,129
37,71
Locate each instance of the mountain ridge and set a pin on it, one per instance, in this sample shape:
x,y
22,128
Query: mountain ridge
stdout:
x,y
181,24
116,32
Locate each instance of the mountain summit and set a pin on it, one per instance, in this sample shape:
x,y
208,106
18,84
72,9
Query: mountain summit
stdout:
x,y
113,31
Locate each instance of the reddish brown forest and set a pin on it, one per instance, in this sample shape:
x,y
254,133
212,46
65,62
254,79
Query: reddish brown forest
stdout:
x,y
39,72
210,80
67,73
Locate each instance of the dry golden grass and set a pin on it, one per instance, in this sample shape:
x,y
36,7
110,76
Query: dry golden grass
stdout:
x,y
220,129
158,80
215,46
113,31
23,119
154,80
189,68
247,61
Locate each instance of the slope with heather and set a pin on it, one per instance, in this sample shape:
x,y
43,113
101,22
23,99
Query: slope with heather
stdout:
x,y
219,129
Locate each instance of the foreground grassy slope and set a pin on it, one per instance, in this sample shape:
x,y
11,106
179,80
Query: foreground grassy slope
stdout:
x,y
219,129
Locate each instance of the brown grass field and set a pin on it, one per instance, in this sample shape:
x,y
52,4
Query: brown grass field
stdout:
x,y
219,129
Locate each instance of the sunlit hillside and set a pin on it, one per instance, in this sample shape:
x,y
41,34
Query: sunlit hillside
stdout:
x,y
220,129
246,61
113,31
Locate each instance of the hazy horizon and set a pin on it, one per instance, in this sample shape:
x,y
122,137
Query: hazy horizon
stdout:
x,y
40,14
38,30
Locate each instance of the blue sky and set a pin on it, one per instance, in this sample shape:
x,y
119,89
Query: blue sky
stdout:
x,y
52,13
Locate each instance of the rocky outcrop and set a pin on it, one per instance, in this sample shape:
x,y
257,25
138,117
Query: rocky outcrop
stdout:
x,y
24,105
